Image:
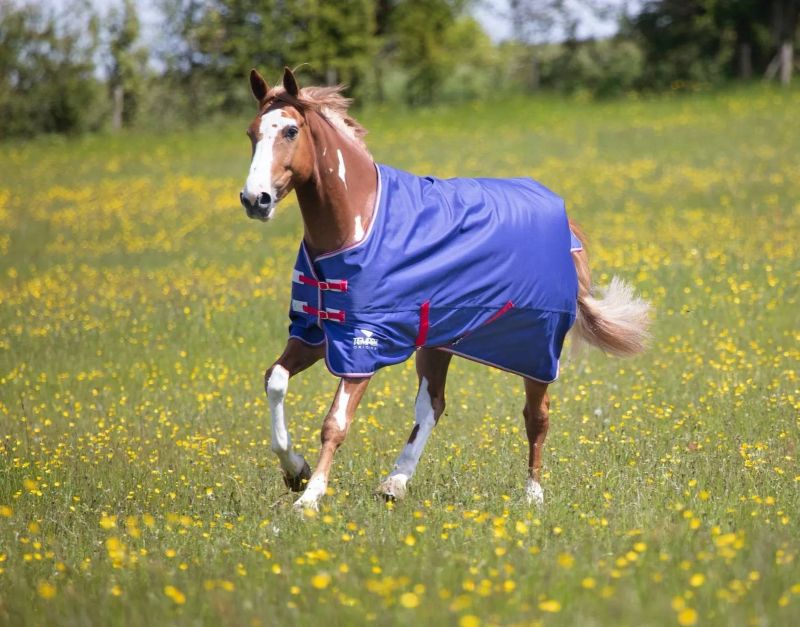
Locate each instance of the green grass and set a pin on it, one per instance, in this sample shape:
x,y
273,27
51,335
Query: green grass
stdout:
x,y
139,308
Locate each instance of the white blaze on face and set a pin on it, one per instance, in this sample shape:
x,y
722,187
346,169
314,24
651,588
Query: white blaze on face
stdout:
x,y
259,179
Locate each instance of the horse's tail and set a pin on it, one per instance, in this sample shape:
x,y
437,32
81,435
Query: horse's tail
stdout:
x,y
617,322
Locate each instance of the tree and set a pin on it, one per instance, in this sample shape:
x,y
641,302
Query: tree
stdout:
x,y
47,80
127,65
417,34
784,20
705,41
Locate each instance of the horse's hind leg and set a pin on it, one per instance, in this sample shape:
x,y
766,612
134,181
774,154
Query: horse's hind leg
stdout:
x,y
537,421
432,374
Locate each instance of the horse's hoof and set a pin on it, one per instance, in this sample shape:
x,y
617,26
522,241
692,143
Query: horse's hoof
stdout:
x,y
392,489
301,505
298,483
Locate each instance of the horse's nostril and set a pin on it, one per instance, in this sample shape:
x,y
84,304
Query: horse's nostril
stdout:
x,y
244,200
264,199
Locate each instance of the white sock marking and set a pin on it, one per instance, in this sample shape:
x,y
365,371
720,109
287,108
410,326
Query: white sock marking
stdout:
x,y
534,492
340,413
277,386
424,422
313,493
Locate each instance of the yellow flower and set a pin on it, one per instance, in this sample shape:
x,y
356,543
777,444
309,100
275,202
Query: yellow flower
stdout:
x,y
550,605
565,560
589,583
46,590
176,595
108,522
697,580
321,581
469,620
409,600
6,511
687,616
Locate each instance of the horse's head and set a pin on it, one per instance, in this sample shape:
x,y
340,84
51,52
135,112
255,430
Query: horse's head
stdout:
x,y
282,147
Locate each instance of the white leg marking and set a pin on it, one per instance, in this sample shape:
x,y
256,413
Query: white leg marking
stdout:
x,y
277,386
534,492
340,413
313,493
342,171
406,464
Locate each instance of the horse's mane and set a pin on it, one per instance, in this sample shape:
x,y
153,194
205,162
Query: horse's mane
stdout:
x,y
327,101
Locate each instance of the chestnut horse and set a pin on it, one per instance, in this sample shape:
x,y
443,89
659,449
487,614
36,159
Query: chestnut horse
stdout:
x,y
304,140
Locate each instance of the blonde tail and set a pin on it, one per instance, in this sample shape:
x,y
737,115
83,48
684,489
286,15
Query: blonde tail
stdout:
x,y
617,322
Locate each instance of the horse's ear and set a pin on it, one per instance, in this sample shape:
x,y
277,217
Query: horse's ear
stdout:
x,y
258,85
290,83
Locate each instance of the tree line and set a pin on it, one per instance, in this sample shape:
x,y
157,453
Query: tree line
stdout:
x,y
81,69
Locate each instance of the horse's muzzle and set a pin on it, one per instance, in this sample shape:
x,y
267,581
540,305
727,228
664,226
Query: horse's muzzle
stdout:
x,y
260,208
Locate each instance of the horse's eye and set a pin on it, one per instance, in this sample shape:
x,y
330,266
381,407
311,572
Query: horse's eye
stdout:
x,y
290,132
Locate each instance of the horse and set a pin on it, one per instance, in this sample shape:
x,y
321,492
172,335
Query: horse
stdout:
x,y
391,265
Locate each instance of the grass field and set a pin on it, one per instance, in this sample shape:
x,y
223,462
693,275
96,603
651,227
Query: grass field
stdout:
x,y
139,308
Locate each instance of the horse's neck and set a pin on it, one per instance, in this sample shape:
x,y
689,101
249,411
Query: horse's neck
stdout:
x,y
338,200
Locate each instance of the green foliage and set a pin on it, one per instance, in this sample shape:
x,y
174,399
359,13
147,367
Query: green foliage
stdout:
x,y
690,42
419,30
83,68
604,68
47,81
221,41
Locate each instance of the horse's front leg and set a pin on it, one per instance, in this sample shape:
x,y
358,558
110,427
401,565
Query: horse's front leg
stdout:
x,y
334,431
432,374
296,357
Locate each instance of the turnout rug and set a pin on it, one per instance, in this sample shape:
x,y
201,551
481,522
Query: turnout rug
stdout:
x,y
478,267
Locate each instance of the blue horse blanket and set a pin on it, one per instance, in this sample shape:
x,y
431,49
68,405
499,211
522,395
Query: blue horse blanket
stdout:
x,y
478,267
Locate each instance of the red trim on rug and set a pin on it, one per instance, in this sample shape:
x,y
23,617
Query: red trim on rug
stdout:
x,y
424,322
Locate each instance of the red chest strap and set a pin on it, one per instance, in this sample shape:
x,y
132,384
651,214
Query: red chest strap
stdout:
x,y
335,285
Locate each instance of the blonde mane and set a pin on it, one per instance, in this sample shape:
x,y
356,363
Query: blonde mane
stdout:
x,y
328,102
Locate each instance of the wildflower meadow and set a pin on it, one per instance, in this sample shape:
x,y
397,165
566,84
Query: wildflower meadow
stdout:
x,y
139,308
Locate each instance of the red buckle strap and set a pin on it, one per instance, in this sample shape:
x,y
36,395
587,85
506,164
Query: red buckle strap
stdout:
x,y
322,314
336,285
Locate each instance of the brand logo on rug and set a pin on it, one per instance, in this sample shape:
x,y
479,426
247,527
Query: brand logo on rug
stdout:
x,y
365,339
